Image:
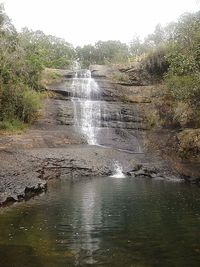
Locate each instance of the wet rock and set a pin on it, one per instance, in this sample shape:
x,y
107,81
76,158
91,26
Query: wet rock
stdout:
x,y
143,171
21,189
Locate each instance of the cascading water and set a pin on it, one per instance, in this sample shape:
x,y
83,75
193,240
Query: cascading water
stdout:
x,y
104,123
87,109
118,173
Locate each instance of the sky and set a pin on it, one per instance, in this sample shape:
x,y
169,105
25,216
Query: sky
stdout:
x,y
83,22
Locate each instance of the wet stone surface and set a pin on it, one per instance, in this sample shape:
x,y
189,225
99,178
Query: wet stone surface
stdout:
x,y
56,146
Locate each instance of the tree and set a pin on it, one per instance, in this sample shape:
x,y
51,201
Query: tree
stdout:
x,y
111,52
53,52
136,46
157,38
86,55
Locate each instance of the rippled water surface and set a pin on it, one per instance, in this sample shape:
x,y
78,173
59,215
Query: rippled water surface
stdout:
x,y
104,222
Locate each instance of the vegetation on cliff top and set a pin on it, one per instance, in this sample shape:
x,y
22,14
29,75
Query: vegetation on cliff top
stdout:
x,y
23,56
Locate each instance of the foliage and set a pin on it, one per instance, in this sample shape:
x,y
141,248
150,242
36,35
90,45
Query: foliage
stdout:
x,y
137,48
51,76
19,102
173,53
183,114
155,62
86,55
12,125
23,56
181,64
47,50
184,88
157,38
189,143
103,53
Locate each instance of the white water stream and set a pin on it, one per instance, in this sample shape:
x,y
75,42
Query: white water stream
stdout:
x,y
87,108
118,171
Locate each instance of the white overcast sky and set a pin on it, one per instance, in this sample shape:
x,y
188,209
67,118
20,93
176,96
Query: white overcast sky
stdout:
x,y
87,21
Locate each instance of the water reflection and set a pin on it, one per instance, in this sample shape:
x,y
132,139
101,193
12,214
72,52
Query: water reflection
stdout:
x,y
85,220
104,222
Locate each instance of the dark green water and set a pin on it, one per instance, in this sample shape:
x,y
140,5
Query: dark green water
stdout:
x,y
104,222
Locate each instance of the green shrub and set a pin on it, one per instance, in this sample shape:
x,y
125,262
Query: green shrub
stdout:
x,y
184,88
12,125
19,102
50,76
181,64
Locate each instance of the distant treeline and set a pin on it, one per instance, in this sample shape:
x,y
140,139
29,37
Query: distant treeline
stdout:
x,y
107,52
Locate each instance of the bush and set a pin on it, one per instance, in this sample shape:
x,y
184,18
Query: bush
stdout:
x,y
12,125
18,102
189,143
50,76
183,114
184,88
181,64
155,62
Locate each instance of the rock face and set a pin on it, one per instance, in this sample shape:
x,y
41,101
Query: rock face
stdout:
x,y
18,177
135,76
53,148
102,71
33,168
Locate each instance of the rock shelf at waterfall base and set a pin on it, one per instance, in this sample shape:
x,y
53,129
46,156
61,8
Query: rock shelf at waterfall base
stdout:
x,y
81,111
33,168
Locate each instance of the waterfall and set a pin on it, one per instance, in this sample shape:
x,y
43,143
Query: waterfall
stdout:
x,y
100,122
118,172
87,108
